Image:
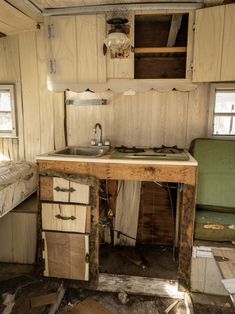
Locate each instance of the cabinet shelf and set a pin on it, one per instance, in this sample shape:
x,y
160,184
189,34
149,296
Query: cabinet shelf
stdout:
x,y
160,50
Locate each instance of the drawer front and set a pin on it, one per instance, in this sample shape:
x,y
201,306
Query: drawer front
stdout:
x,y
66,217
62,190
66,255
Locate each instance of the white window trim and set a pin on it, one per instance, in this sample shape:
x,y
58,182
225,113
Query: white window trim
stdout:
x,y
213,88
11,88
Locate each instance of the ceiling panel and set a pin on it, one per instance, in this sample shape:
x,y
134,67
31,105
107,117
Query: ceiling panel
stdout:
x,y
44,4
13,21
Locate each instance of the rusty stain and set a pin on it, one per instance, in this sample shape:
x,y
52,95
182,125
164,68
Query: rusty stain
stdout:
x,y
214,227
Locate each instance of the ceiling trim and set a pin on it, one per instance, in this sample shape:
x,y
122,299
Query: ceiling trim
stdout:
x,y
121,7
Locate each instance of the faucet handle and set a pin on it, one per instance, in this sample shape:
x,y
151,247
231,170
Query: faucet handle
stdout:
x,y
93,142
107,143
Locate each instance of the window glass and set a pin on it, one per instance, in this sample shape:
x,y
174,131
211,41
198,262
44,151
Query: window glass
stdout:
x,y
224,125
7,111
224,101
5,100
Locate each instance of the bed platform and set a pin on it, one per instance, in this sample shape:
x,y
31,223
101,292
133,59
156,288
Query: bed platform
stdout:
x,y
18,180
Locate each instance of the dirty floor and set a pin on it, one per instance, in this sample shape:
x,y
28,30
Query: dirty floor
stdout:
x,y
19,284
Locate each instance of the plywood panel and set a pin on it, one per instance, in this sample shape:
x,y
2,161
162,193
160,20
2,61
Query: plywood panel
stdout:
x,y
59,127
24,227
60,190
228,62
30,87
63,49
208,44
176,119
198,274
64,217
155,225
10,72
45,97
90,38
13,21
80,194
6,237
149,118
71,249
213,278
197,116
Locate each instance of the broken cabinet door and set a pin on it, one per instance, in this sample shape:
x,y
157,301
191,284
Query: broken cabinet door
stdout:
x,y
66,255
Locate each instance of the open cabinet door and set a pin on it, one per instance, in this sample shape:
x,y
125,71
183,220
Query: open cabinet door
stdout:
x,y
208,45
66,255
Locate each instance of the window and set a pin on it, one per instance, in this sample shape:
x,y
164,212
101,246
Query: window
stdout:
x,y
222,110
7,111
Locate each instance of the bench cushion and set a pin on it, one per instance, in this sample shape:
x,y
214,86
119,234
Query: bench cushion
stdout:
x,y
216,174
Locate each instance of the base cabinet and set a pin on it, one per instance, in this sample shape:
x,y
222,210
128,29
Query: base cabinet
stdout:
x,y
69,220
66,255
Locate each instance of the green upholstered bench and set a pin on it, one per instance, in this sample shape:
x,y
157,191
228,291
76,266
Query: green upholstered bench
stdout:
x,y
215,215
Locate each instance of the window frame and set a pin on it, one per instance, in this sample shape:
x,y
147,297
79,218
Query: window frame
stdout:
x,y
213,88
13,132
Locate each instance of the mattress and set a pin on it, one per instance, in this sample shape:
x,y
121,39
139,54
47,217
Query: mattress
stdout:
x,y
18,180
216,174
214,226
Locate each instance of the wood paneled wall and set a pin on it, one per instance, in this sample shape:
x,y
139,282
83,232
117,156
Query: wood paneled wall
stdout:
x,y
40,113
146,119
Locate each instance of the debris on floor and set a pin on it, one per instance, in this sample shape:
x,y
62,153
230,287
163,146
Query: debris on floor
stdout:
x,y
29,294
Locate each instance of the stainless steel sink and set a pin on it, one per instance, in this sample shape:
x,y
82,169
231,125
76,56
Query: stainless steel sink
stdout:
x,y
80,151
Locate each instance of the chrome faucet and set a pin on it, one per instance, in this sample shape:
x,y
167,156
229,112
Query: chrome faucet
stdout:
x,y
100,140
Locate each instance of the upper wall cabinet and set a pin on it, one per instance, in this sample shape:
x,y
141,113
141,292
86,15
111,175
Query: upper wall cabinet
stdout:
x,y
163,45
228,60
62,63
214,44
75,49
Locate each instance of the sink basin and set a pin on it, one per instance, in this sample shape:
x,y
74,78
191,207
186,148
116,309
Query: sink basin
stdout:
x,y
81,151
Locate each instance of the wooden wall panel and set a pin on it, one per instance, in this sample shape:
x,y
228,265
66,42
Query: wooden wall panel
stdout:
x,y
90,38
155,224
208,47
10,73
149,118
13,21
197,120
59,127
30,93
228,63
45,97
146,119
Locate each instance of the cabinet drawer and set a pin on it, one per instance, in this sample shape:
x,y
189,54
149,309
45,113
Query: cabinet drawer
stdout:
x,y
66,217
66,255
62,190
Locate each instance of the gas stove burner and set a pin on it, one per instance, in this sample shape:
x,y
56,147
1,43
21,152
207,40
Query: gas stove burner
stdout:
x,y
168,150
125,149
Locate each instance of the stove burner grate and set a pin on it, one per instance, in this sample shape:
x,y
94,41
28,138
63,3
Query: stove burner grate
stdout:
x,y
168,149
125,149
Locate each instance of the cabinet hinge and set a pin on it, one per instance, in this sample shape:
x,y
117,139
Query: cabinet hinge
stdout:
x,y
50,31
87,258
191,65
52,66
194,26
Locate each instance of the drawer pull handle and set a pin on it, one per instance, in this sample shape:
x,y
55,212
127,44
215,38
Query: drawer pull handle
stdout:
x,y
58,189
65,218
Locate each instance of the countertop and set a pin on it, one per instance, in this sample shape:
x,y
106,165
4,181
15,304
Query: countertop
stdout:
x,y
106,159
